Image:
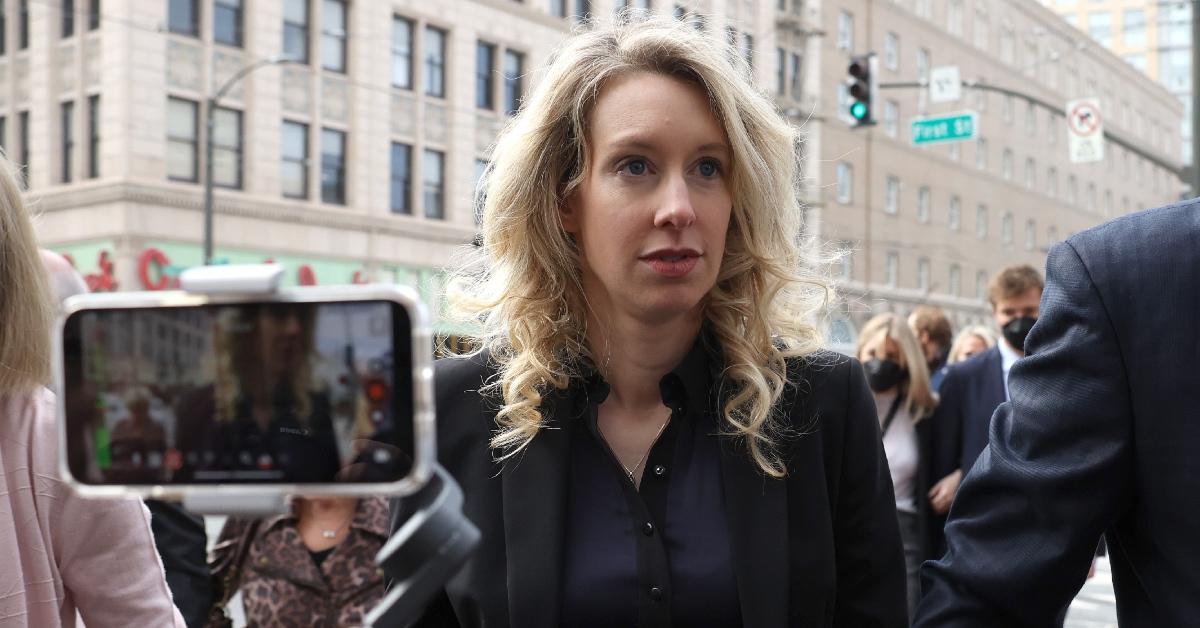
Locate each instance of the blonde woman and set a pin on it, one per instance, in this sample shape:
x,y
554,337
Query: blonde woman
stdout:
x,y
649,433
916,452
61,555
971,341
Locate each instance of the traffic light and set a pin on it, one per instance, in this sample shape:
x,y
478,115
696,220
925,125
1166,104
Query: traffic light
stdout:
x,y
862,83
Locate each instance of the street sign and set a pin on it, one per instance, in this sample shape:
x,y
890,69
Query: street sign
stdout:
x,y
945,84
1085,131
951,127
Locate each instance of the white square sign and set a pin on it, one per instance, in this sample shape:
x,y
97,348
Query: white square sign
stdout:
x,y
1085,131
945,85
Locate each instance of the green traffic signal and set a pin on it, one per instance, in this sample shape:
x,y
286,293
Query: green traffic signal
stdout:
x,y
858,111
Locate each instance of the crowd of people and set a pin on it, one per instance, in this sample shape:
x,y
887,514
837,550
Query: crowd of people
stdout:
x,y
648,430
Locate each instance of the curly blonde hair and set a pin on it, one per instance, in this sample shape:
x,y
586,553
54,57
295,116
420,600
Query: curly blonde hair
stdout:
x,y
523,288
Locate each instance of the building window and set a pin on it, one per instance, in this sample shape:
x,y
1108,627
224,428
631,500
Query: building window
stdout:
x,y
583,10
845,183
891,51
780,71
485,62
4,133
1030,119
333,35
23,24
402,52
923,203
980,32
1051,235
891,276
514,69
183,17
845,31
1133,29
1006,228
93,136
981,222
955,280
93,15
891,198
981,151
923,274
954,217
746,49
1006,164
558,8
1100,27
1030,234
227,22
1052,182
68,139
797,76
1030,173
294,174
23,137
981,279
1108,203
182,154
1072,190
434,180
68,18
295,30
1006,111
922,64
401,178
227,147
891,118
954,17
435,62
333,167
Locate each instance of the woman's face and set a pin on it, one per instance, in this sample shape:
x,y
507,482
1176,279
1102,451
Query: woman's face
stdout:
x,y
881,348
652,211
971,346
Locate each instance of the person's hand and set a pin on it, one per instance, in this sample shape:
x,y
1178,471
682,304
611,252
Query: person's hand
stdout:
x,y
942,493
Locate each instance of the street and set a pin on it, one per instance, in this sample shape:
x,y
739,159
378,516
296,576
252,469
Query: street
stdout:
x,y
1095,606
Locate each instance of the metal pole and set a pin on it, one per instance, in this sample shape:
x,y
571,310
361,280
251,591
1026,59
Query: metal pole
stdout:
x,y
209,106
1195,170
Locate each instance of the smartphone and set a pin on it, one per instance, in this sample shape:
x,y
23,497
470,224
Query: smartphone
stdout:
x,y
315,390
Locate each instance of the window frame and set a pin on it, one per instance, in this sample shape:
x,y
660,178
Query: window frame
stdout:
x,y
193,141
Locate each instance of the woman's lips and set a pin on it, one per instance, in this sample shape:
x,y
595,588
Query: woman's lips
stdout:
x,y
672,265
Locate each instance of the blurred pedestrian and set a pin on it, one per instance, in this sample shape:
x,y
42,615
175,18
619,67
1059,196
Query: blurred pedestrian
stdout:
x,y
179,535
62,554
1099,436
917,452
934,332
314,566
971,341
650,433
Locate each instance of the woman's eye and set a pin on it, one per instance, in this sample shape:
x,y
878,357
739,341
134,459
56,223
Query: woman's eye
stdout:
x,y
709,168
636,167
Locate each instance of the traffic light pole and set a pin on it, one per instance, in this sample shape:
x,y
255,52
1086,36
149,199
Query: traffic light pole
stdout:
x,y
1174,167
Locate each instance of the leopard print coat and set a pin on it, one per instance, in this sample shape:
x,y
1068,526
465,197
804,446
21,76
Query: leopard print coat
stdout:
x,y
282,586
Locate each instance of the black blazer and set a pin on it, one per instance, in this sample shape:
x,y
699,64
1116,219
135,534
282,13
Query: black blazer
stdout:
x,y
970,393
1101,435
819,548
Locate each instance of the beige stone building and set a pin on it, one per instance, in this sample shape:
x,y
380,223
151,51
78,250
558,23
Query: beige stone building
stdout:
x,y
358,161
931,224
1154,36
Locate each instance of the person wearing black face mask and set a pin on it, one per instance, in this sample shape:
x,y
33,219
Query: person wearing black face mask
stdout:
x,y
898,376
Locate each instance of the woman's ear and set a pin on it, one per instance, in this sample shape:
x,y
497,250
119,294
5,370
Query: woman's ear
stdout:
x,y
568,214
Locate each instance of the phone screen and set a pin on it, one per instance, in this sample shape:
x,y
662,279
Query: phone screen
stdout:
x,y
247,393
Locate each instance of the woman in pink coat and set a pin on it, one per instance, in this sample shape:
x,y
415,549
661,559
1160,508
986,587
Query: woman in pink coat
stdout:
x,y
60,555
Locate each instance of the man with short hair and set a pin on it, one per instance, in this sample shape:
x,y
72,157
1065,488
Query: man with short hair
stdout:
x,y
932,329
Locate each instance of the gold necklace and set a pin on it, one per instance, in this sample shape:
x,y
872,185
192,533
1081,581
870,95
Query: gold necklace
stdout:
x,y
641,460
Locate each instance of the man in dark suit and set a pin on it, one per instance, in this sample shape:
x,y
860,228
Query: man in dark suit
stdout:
x,y
1100,436
970,391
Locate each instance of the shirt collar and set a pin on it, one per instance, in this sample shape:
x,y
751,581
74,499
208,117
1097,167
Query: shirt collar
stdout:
x,y
686,387
1008,355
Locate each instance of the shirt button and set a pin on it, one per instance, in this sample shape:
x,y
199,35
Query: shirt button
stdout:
x,y
656,593
648,529
659,469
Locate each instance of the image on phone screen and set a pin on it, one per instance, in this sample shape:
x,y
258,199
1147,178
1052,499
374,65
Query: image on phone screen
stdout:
x,y
247,393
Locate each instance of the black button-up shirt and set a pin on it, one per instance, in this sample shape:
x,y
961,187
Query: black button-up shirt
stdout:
x,y
660,556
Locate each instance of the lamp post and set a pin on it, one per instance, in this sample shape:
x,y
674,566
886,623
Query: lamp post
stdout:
x,y
210,106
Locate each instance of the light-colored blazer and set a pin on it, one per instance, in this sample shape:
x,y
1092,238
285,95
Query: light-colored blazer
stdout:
x,y
60,553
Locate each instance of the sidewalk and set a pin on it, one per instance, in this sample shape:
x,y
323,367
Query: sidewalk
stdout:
x,y
1095,606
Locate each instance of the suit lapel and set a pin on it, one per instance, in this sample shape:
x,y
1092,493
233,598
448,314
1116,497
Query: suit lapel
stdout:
x,y
535,498
756,511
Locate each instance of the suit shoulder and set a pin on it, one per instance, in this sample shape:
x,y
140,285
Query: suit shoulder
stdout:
x,y
818,385
971,366
459,373
1143,235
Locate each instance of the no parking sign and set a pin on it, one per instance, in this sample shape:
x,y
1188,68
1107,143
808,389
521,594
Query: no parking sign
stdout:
x,y
1085,131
